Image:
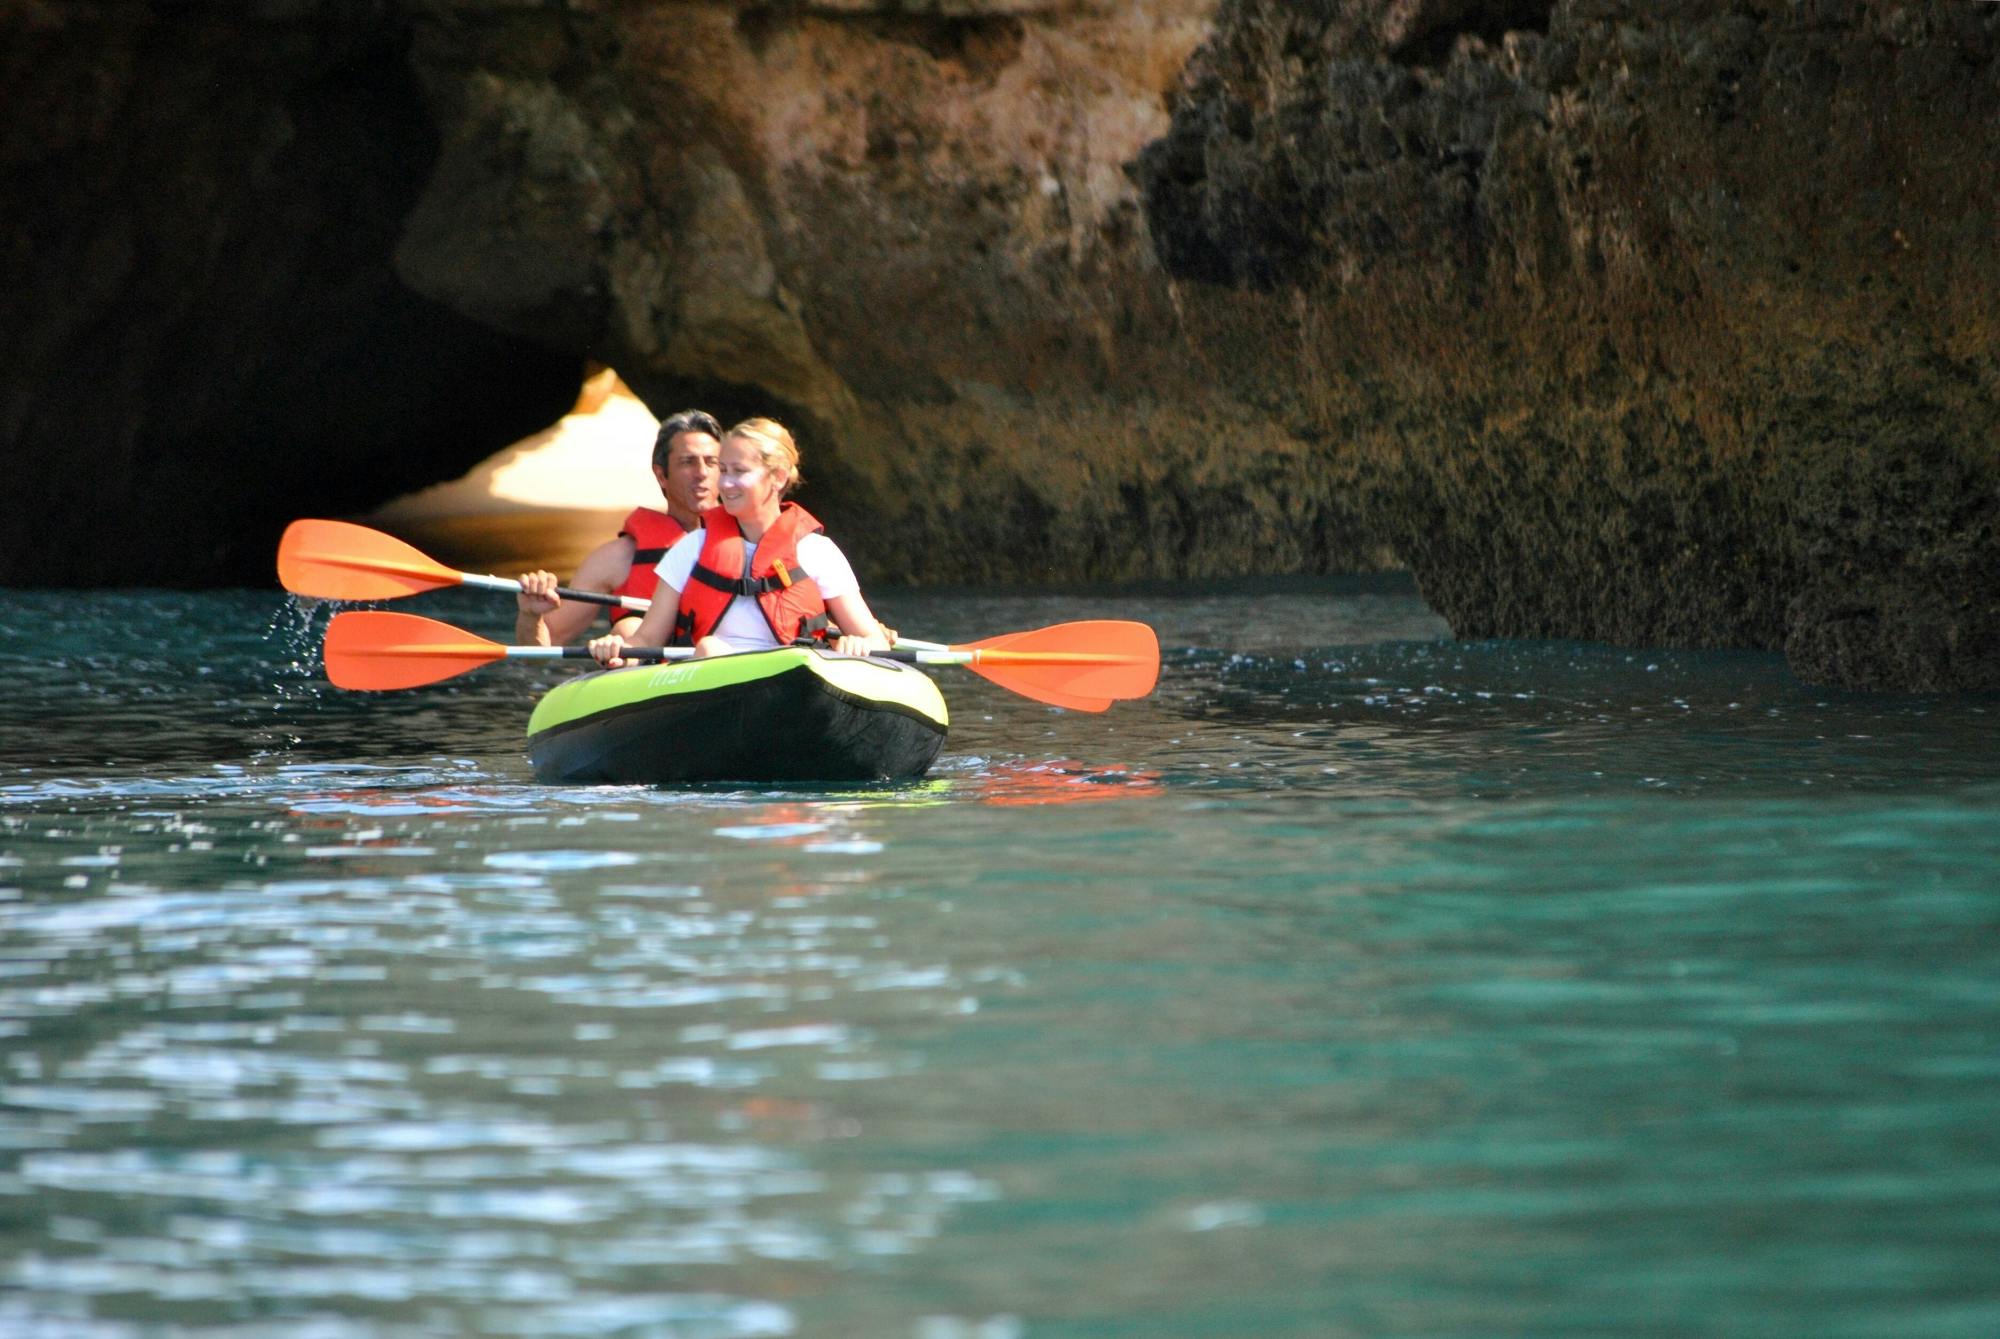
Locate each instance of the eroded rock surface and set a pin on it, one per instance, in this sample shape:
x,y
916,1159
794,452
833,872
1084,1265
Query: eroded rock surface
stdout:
x,y
200,335
1657,325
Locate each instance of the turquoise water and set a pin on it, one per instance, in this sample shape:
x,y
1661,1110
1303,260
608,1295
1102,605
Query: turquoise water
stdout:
x,y
1358,983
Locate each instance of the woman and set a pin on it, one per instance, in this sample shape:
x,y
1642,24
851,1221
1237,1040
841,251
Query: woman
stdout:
x,y
759,573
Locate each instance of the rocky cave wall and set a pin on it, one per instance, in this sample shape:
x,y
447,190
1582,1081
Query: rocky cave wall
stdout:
x,y
1658,326
201,335
1662,327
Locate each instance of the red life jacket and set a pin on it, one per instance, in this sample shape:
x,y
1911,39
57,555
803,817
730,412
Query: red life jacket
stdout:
x,y
652,533
789,599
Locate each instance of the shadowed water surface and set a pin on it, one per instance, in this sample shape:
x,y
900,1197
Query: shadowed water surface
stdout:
x,y
1357,983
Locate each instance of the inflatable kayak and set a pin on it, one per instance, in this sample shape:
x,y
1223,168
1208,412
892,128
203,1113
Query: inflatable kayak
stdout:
x,y
793,714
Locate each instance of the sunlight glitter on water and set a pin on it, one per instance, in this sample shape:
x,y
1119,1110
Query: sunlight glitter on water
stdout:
x,y
1524,988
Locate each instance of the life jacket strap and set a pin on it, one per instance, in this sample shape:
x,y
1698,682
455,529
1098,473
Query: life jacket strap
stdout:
x,y
745,585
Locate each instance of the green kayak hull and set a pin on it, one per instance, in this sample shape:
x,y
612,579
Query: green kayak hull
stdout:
x,y
793,714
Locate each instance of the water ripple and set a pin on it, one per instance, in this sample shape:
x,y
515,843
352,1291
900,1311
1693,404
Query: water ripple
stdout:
x,y
1487,987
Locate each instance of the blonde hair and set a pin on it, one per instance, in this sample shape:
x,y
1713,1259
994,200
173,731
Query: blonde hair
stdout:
x,y
774,445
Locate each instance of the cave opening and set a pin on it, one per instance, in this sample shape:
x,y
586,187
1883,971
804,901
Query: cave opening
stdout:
x,y
252,356
545,500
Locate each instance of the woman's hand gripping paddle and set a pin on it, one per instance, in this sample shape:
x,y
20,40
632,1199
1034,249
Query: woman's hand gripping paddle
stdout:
x,y
1085,666
337,560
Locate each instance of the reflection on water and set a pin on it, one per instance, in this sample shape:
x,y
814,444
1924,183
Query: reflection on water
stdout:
x,y
1057,781
1357,982
404,1064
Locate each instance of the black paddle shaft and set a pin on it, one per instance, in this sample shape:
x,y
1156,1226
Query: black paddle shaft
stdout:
x,y
630,653
595,597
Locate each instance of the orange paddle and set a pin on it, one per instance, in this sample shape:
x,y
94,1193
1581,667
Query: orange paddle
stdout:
x,y
338,560
376,650
1085,666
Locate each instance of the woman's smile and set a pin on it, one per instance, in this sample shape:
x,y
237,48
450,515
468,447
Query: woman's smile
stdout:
x,y
747,486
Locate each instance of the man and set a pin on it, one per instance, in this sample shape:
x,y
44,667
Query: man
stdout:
x,y
684,465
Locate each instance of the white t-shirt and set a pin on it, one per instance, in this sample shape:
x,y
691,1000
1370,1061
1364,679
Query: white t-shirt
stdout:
x,y
742,624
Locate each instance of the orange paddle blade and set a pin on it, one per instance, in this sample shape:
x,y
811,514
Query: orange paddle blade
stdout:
x,y
1085,666
371,649
336,560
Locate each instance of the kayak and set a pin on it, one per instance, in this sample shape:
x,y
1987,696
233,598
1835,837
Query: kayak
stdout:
x,y
791,714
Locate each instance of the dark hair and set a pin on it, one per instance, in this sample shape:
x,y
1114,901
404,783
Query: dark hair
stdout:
x,y
688,420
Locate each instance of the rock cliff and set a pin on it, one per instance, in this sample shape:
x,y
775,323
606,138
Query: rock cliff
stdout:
x,y
1654,329
1608,324
201,332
